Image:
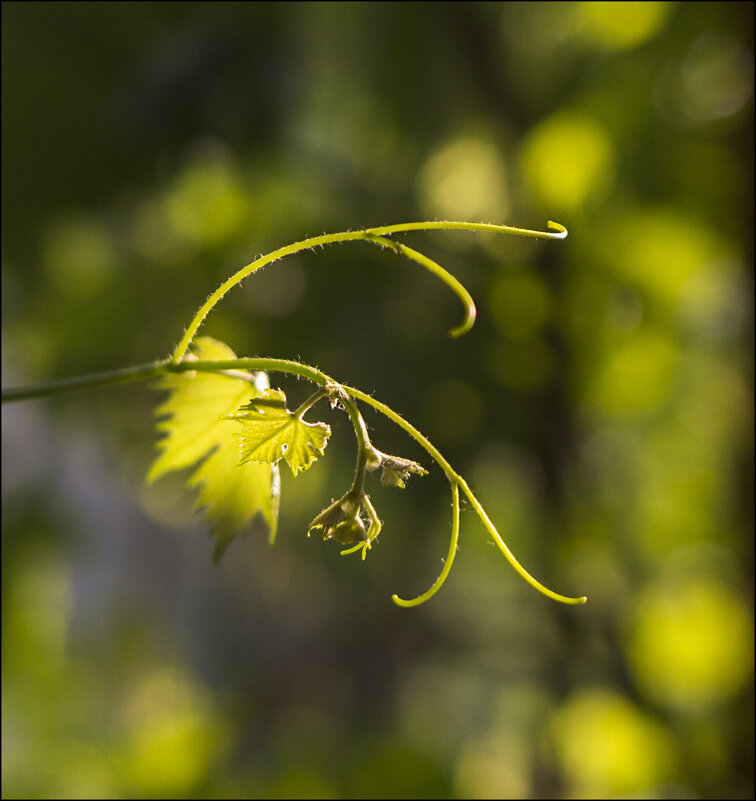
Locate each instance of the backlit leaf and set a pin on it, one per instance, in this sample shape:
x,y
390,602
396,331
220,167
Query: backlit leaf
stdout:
x,y
271,432
196,427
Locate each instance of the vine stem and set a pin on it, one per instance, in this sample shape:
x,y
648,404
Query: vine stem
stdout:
x,y
177,364
455,478
156,369
159,368
45,389
364,448
370,234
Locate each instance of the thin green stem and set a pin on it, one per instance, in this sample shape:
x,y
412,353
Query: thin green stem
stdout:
x,y
558,232
453,544
364,448
241,274
310,402
254,364
92,381
434,267
408,427
502,546
454,477
145,372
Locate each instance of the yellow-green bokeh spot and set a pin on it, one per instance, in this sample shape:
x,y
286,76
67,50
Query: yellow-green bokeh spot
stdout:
x,y
80,256
621,26
172,735
567,159
608,747
208,206
497,766
665,254
680,487
691,644
635,377
465,179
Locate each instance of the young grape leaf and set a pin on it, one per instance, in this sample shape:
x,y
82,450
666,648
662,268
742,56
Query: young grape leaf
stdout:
x,y
272,432
197,428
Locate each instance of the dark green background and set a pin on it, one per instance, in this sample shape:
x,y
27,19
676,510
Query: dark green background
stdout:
x,y
601,408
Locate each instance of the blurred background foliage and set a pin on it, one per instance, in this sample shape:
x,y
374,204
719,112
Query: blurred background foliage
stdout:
x,y
602,407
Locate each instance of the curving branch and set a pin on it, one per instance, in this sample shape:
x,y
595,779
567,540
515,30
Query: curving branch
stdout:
x,y
342,519
369,234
